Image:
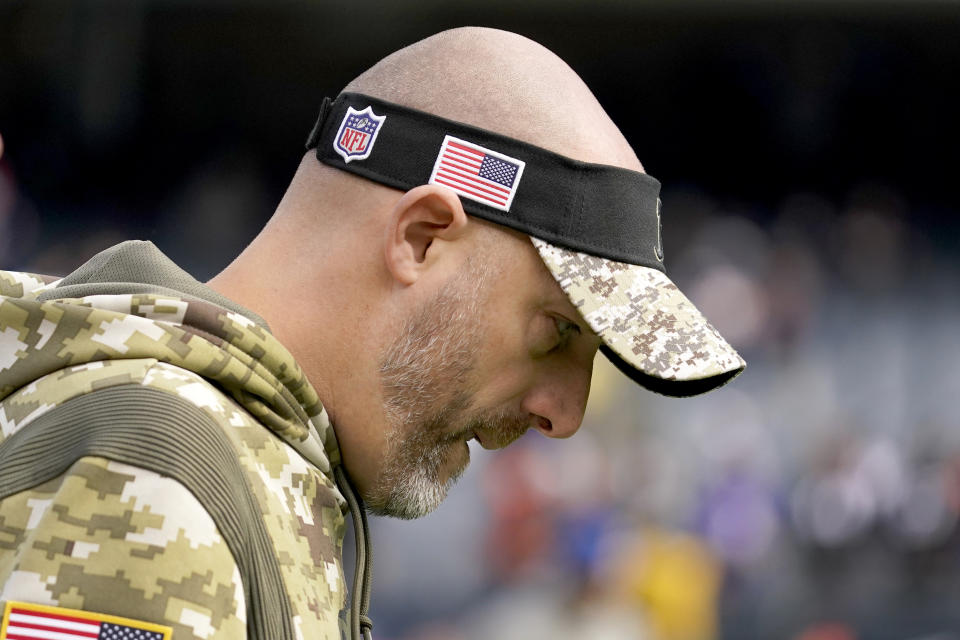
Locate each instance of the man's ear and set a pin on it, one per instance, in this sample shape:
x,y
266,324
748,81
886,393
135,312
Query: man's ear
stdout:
x,y
422,215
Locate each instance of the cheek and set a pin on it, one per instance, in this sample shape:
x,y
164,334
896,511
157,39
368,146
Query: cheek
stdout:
x,y
503,373
515,335
541,336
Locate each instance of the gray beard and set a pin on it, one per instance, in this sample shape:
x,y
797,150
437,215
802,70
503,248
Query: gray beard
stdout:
x,y
411,484
423,373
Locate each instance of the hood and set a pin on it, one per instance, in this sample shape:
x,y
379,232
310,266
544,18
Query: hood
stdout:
x,y
131,301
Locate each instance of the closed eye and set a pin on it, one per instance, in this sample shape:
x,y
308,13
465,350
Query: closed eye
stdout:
x,y
566,330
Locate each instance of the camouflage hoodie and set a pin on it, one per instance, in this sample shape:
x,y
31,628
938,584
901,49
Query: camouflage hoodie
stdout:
x,y
163,457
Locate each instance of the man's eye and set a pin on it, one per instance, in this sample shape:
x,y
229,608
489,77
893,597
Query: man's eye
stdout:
x,y
565,327
565,331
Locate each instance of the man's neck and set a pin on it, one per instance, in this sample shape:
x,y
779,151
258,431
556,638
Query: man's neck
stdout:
x,y
303,301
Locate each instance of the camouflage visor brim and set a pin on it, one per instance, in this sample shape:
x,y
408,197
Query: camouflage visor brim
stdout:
x,y
597,228
649,329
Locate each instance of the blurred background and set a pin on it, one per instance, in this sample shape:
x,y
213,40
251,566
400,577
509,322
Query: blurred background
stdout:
x,y
808,152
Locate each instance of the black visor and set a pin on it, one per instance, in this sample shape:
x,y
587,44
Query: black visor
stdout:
x,y
606,211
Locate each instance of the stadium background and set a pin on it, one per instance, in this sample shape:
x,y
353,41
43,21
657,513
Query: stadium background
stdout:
x,y
808,152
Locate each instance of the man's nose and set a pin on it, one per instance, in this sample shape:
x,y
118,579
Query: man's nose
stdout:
x,y
557,402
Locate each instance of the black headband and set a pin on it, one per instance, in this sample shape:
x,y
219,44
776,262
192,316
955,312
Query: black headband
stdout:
x,y
598,209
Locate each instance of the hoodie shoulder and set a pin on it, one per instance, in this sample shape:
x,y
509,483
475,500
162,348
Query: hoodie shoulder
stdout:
x,y
106,538
20,284
266,500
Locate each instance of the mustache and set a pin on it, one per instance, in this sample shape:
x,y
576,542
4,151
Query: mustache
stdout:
x,y
499,429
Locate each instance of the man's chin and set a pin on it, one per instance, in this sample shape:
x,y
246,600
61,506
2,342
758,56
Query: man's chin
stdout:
x,y
420,492
411,501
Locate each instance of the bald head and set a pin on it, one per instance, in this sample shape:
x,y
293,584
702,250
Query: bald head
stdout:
x,y
522,90
346,264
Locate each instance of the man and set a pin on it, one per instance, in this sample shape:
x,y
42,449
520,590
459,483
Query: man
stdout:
x,y
177,455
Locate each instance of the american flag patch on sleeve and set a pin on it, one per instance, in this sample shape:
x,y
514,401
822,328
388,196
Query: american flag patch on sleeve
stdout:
x,y
477,173
24,621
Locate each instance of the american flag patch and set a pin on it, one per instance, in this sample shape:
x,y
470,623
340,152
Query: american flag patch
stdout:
x,y
477,173
24,621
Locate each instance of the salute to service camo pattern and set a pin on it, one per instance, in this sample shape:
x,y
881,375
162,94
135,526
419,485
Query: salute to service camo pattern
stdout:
x,y
137,432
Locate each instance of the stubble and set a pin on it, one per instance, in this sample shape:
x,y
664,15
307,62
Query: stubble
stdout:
x,y
424,375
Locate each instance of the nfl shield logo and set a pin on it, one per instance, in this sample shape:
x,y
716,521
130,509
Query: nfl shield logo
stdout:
x,y
357,133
